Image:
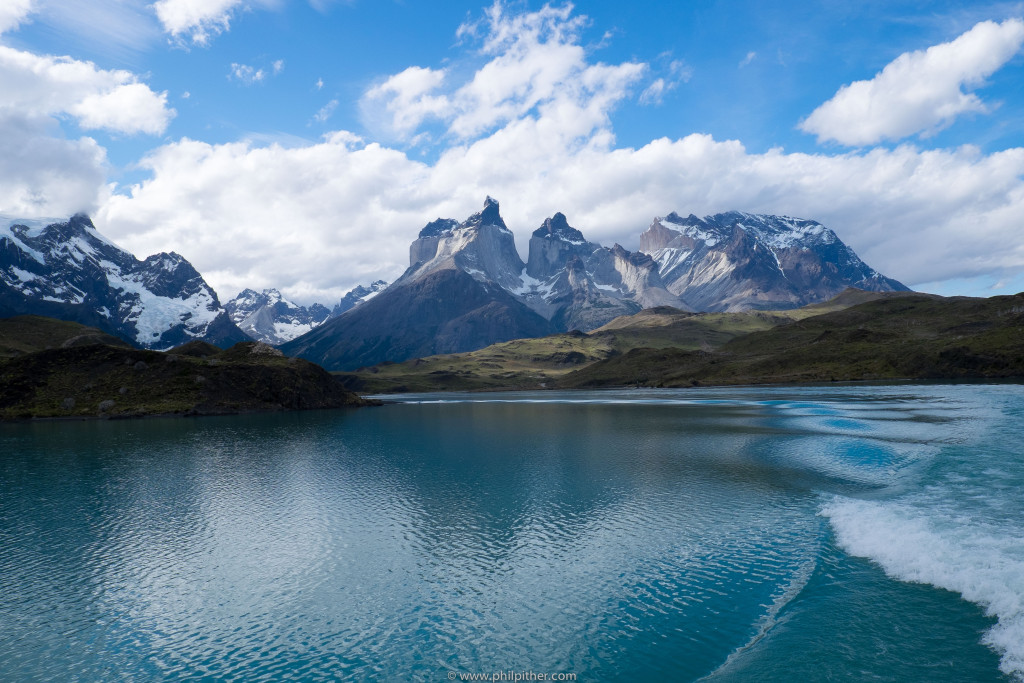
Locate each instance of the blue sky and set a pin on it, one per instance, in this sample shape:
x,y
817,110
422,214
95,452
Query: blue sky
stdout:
x,y
301,145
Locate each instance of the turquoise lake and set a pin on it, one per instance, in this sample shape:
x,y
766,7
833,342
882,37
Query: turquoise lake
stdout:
x,y
770,534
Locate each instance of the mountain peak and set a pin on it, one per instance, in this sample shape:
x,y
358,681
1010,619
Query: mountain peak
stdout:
x,y
438,227
557,227
489,215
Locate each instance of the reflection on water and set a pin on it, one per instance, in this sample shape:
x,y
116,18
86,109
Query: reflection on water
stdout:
x,y
639,534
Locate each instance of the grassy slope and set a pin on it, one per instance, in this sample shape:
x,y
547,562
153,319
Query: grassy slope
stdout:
x,y
29,333
532,363
911,336
104,380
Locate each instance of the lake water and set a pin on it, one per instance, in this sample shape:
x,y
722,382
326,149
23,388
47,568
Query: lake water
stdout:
x,y
770,534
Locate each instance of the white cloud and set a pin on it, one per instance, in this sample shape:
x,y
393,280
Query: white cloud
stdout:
x,y
199,20
247,74
403,102
42,174
13,13
918,92
751,56
278,66
316,219
129,108
319,84
535,67
652,94
319,219
326,111
34,85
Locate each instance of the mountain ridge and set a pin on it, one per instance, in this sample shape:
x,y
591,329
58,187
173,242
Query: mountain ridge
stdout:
x,y
727,262
68,270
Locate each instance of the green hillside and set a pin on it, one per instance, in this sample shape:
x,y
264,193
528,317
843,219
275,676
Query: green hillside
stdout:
x,y
917,336
542,362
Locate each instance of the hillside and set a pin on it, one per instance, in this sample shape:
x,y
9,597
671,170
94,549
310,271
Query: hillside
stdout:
x,y
902,337
533,363
29,333
78,379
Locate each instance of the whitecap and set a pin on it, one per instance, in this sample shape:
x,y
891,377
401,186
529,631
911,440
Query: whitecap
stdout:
x,y
983,562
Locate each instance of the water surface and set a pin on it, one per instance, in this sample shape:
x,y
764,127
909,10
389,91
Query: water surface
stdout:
x,y
772,533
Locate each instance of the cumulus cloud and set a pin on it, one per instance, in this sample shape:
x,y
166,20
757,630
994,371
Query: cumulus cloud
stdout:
x,y
404,101
13,13
534,67
316,219
41,85
41,172
319,219
918,92
199,20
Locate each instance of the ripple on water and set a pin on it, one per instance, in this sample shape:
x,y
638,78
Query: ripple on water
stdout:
x,y
634,534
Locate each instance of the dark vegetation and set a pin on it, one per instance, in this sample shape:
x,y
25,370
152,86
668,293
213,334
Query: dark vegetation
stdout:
x,y
902,337
856,336
56,369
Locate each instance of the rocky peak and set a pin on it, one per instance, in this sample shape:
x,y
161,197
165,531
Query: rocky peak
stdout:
x,y
738,261
659,235
553,245
269,317
481,246
489,215
439,227
557,227
358,295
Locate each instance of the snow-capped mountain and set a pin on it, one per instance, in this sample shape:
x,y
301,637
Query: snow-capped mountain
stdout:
x,y
455,296
581,285
66,269
268,317
466,286
358,295
739,261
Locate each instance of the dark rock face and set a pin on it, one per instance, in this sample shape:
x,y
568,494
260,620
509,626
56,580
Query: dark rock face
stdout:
x,y
68,270
737,261
466,286
553,244
581,285
445,311
268,317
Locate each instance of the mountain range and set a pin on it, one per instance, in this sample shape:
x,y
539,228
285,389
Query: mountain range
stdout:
x,y
66,269
467,287
269,317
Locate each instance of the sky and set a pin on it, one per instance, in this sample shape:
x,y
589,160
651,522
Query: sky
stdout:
x,y
302,144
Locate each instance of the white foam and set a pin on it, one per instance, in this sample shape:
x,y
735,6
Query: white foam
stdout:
x,y
983,562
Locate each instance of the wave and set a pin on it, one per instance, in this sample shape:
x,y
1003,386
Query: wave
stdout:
x,y
983,562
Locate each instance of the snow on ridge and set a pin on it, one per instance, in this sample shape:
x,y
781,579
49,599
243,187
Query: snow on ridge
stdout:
x,y
532,286
35,225
705,236
668,258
